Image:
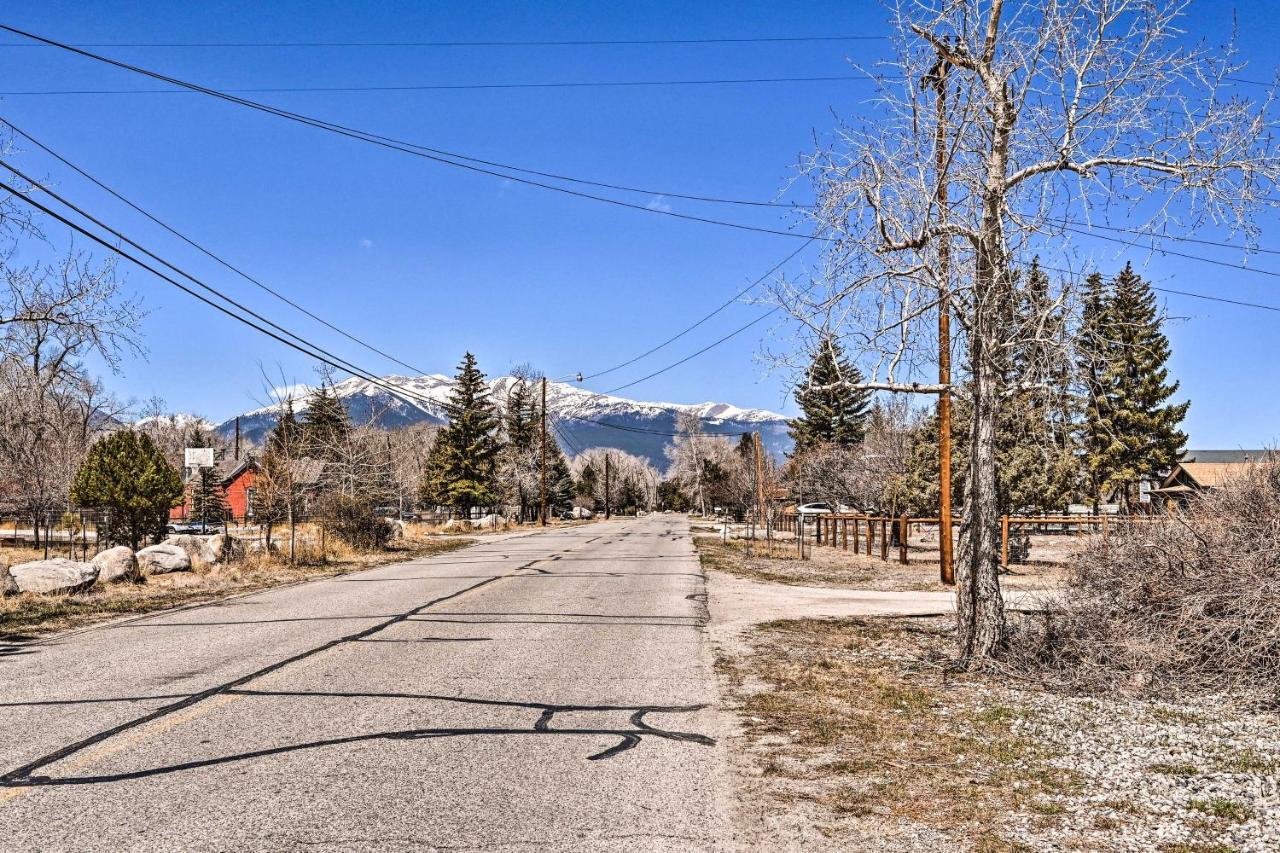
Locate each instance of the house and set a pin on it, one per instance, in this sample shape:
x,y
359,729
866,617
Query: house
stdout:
x,y
1200,470
236,479
237,482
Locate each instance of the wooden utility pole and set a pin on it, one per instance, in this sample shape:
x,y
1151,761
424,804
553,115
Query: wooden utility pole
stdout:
x,y
542,461
758,454
237,457
937,77
606,487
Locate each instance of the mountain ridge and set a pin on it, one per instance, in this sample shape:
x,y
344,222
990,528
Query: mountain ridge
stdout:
x,y
584,419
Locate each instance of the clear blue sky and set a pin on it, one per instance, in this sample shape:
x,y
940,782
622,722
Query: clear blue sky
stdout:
x,y
427,261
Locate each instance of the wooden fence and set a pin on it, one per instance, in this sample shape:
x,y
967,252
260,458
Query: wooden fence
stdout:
x,y
872,534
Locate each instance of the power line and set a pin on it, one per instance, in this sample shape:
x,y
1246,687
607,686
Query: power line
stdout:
x,y
452,87
1189,293
435,155
1178,254
558,43
704,319
210,253
302,345
642,430
1175,237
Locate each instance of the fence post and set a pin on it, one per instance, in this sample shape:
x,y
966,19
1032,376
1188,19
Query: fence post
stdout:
x,y
902,541
844,530
884,539
1004,541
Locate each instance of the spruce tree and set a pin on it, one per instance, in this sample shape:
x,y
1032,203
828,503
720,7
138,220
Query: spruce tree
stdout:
x,y
126,473
560,485
325,425
833,412
208,500
462,464
1132,428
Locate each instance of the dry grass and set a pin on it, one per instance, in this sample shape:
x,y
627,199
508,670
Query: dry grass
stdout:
x,y
26,615
826,567
862,718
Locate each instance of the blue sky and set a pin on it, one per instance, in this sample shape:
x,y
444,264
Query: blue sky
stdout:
x,y
427,261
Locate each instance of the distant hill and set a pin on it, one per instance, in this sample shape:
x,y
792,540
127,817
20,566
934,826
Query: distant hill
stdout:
x,y
585,418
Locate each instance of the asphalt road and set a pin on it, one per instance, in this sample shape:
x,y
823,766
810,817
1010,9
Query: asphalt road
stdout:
x,y
548,691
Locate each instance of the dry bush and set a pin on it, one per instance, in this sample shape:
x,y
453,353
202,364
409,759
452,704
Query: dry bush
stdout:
x,y
1186,603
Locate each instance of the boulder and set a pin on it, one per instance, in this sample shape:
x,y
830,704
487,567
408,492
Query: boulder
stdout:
x,y
454,525
117,564
397,528
56,575
490,520
8,586
196,547
163,558
259,546
225,547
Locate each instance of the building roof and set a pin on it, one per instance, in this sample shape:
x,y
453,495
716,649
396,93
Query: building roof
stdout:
x,y
1217,456
307,471
1210,475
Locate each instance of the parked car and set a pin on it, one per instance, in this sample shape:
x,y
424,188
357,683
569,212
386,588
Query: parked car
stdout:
x,y
189,527
815,509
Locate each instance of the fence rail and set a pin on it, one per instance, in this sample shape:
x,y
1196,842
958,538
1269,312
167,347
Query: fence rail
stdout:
x,y
874,534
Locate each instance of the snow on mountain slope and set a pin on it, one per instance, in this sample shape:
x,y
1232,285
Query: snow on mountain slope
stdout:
x,y
580,416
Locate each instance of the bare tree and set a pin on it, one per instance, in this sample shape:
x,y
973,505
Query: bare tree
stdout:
x,y
51,318
998,131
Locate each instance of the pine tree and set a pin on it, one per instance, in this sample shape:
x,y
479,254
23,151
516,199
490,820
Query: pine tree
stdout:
x,y
325,425
1132,429
560,485
462,464
833,412
126,473
208,500
275,491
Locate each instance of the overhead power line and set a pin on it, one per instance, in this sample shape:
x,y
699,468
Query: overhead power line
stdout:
x,y
642,430
209,253
731,300
1152,247
435,155
282,335
512,43
453,87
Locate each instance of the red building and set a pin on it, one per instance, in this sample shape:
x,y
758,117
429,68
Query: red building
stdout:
x,y
236,480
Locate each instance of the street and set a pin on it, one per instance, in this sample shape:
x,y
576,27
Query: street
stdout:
x,y
549,690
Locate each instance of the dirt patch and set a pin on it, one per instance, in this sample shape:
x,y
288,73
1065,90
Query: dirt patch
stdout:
x,y
27,615
839,569
856,735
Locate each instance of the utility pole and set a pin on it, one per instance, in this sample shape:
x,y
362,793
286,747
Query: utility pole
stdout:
x,y
758,452
937,77
542,463
237,438
606,487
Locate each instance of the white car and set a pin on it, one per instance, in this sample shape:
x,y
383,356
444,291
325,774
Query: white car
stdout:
x,y
815,509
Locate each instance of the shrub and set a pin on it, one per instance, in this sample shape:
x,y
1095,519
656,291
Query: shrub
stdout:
x,y
355,523
1185,602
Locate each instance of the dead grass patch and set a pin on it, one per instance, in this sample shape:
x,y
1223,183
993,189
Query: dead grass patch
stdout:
x,y
27,615
868,713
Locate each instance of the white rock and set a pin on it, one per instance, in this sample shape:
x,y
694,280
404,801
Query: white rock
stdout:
x,y
56,575
490,520
225,547
117,564
159,559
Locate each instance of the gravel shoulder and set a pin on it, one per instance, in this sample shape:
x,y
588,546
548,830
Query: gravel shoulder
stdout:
x,y
854,734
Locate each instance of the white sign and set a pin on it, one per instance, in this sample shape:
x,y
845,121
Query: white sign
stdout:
x,y
199,457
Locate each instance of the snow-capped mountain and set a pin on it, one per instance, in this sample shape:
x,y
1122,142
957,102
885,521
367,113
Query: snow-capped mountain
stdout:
x,y
583,418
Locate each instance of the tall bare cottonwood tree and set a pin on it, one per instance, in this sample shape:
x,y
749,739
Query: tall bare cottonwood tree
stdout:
x,y
1002,130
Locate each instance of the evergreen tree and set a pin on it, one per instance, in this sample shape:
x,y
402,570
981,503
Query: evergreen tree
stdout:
x,y
126,473
1132,430
325,425
560,485
208,500
833,412
463,461
275,491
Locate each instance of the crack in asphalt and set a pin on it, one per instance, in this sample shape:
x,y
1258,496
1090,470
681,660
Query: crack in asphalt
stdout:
x,y
26,775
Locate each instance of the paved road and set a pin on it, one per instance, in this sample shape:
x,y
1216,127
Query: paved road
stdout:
x,y
541,691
